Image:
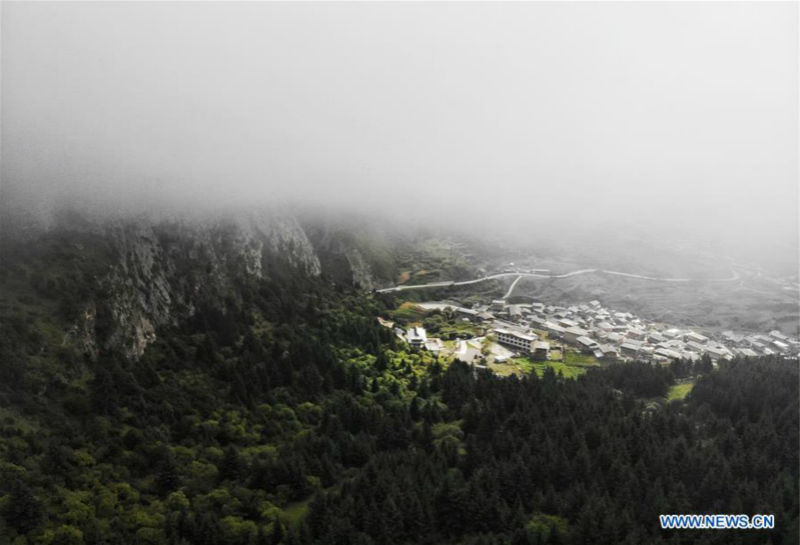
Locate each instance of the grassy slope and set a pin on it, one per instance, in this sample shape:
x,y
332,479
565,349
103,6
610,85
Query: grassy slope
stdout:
x,y
679,391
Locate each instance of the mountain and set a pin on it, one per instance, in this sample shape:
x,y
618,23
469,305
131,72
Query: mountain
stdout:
x,y
226,381
122,280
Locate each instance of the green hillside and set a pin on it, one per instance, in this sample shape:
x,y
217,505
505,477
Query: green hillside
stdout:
x,y
285,413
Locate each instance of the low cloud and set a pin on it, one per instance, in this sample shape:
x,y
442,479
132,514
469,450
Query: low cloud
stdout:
x,y
537,119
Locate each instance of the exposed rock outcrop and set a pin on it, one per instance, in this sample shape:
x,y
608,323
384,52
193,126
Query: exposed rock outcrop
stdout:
x,y
162,272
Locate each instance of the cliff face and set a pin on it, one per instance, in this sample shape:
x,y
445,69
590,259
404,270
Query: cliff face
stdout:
x,y
343,261
162,273
354,253
113,283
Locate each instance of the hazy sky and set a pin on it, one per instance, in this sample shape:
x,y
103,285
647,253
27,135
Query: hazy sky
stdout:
x,y
659,112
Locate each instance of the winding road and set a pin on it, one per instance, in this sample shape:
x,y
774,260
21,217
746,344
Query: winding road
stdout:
x,y
733,278
511,289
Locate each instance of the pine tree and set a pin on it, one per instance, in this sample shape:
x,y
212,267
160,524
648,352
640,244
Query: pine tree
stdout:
x,y
168,480
278,533
414,410
232,466
24,511
102,392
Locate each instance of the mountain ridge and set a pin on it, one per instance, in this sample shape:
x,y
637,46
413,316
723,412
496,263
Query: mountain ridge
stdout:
x,y
145,273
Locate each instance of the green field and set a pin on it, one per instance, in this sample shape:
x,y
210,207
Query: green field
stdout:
x,y
572,357
507,369
566,369
408,312
679,391
569,371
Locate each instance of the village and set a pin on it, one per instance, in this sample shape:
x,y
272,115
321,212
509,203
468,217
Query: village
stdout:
x,y
583,335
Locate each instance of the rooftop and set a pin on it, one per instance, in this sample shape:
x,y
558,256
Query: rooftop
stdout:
x,y
515,334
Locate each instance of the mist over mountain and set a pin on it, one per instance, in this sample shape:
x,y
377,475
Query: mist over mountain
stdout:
x,y
526,121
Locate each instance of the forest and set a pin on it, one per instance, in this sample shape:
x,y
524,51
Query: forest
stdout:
x,y
290,416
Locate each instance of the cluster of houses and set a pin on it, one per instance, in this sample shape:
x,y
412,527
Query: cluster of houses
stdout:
x,y
604,333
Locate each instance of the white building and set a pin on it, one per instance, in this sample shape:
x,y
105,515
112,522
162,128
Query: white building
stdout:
x,y
434,345
416,336
520,341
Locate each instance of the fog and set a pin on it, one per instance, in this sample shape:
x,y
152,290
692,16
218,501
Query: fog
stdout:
x,y
528,117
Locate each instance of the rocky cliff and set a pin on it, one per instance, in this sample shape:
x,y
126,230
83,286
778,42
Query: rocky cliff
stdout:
x,y
155,274
355,251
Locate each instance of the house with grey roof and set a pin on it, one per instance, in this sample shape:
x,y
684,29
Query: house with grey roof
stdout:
x,y
541,350
571,334
609,351
695,337
555,329
695,347
667,353
717,353
629,349
775,334
587,345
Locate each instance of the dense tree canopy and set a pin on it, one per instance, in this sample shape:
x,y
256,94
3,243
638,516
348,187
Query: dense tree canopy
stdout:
x,y
289,415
